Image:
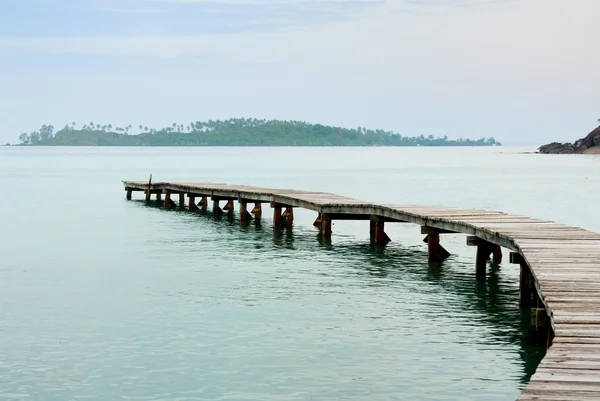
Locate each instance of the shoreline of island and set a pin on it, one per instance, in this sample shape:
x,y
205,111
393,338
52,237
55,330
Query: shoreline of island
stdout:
x,y
240,132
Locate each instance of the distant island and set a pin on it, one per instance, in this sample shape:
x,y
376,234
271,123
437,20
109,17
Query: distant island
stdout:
x,y
587,145
234,132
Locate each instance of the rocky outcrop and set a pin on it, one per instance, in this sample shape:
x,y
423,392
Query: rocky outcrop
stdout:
x,y
589,144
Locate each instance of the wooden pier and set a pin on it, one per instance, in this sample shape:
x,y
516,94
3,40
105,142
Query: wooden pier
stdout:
x,y
560,264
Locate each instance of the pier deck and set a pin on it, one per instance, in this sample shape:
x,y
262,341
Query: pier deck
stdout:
x,y
560,265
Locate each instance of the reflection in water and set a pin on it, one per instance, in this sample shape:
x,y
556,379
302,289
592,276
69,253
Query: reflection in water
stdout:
x,y
494,301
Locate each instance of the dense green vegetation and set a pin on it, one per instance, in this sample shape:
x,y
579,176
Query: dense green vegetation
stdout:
x,y
234,132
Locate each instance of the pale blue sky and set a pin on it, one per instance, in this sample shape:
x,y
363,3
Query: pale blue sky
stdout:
x,y
523,71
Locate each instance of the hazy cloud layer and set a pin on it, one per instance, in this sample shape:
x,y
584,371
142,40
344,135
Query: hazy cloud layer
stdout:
x,y
180,17
520,70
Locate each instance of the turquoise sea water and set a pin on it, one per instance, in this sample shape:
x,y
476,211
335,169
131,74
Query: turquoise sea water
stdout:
x,y
105,299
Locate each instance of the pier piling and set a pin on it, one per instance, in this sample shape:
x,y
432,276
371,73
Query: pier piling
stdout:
x,y
288,216
229,207
276,215
437,252
527,292
325,226
216,209
203,203
257,210
167,199
245,217
192,203
377,231
318,221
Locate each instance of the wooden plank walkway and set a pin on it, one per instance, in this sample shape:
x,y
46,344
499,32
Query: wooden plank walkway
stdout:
x,y
560,267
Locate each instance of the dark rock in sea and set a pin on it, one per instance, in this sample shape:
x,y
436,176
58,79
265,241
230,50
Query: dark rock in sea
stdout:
x,y
589,144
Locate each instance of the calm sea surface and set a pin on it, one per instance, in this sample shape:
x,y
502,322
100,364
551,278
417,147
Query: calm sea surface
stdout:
x,y
105,299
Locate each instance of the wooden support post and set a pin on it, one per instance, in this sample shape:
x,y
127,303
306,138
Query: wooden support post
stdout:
x,y
229,206
527,293
257,210
318,221
129,194
325,226
377,232
433,243
245,217
192,203
483,253
540,321
167,199
203,203
539,317
437,252
381,238
497,254
181,200
372,230
484,250
148,191
216,208
288,215
158,196
276,215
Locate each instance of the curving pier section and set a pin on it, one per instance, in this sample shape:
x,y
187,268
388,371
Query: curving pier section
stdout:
x,y
560,267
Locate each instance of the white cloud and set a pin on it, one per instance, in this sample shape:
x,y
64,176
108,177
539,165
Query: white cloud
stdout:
x,y
131,10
